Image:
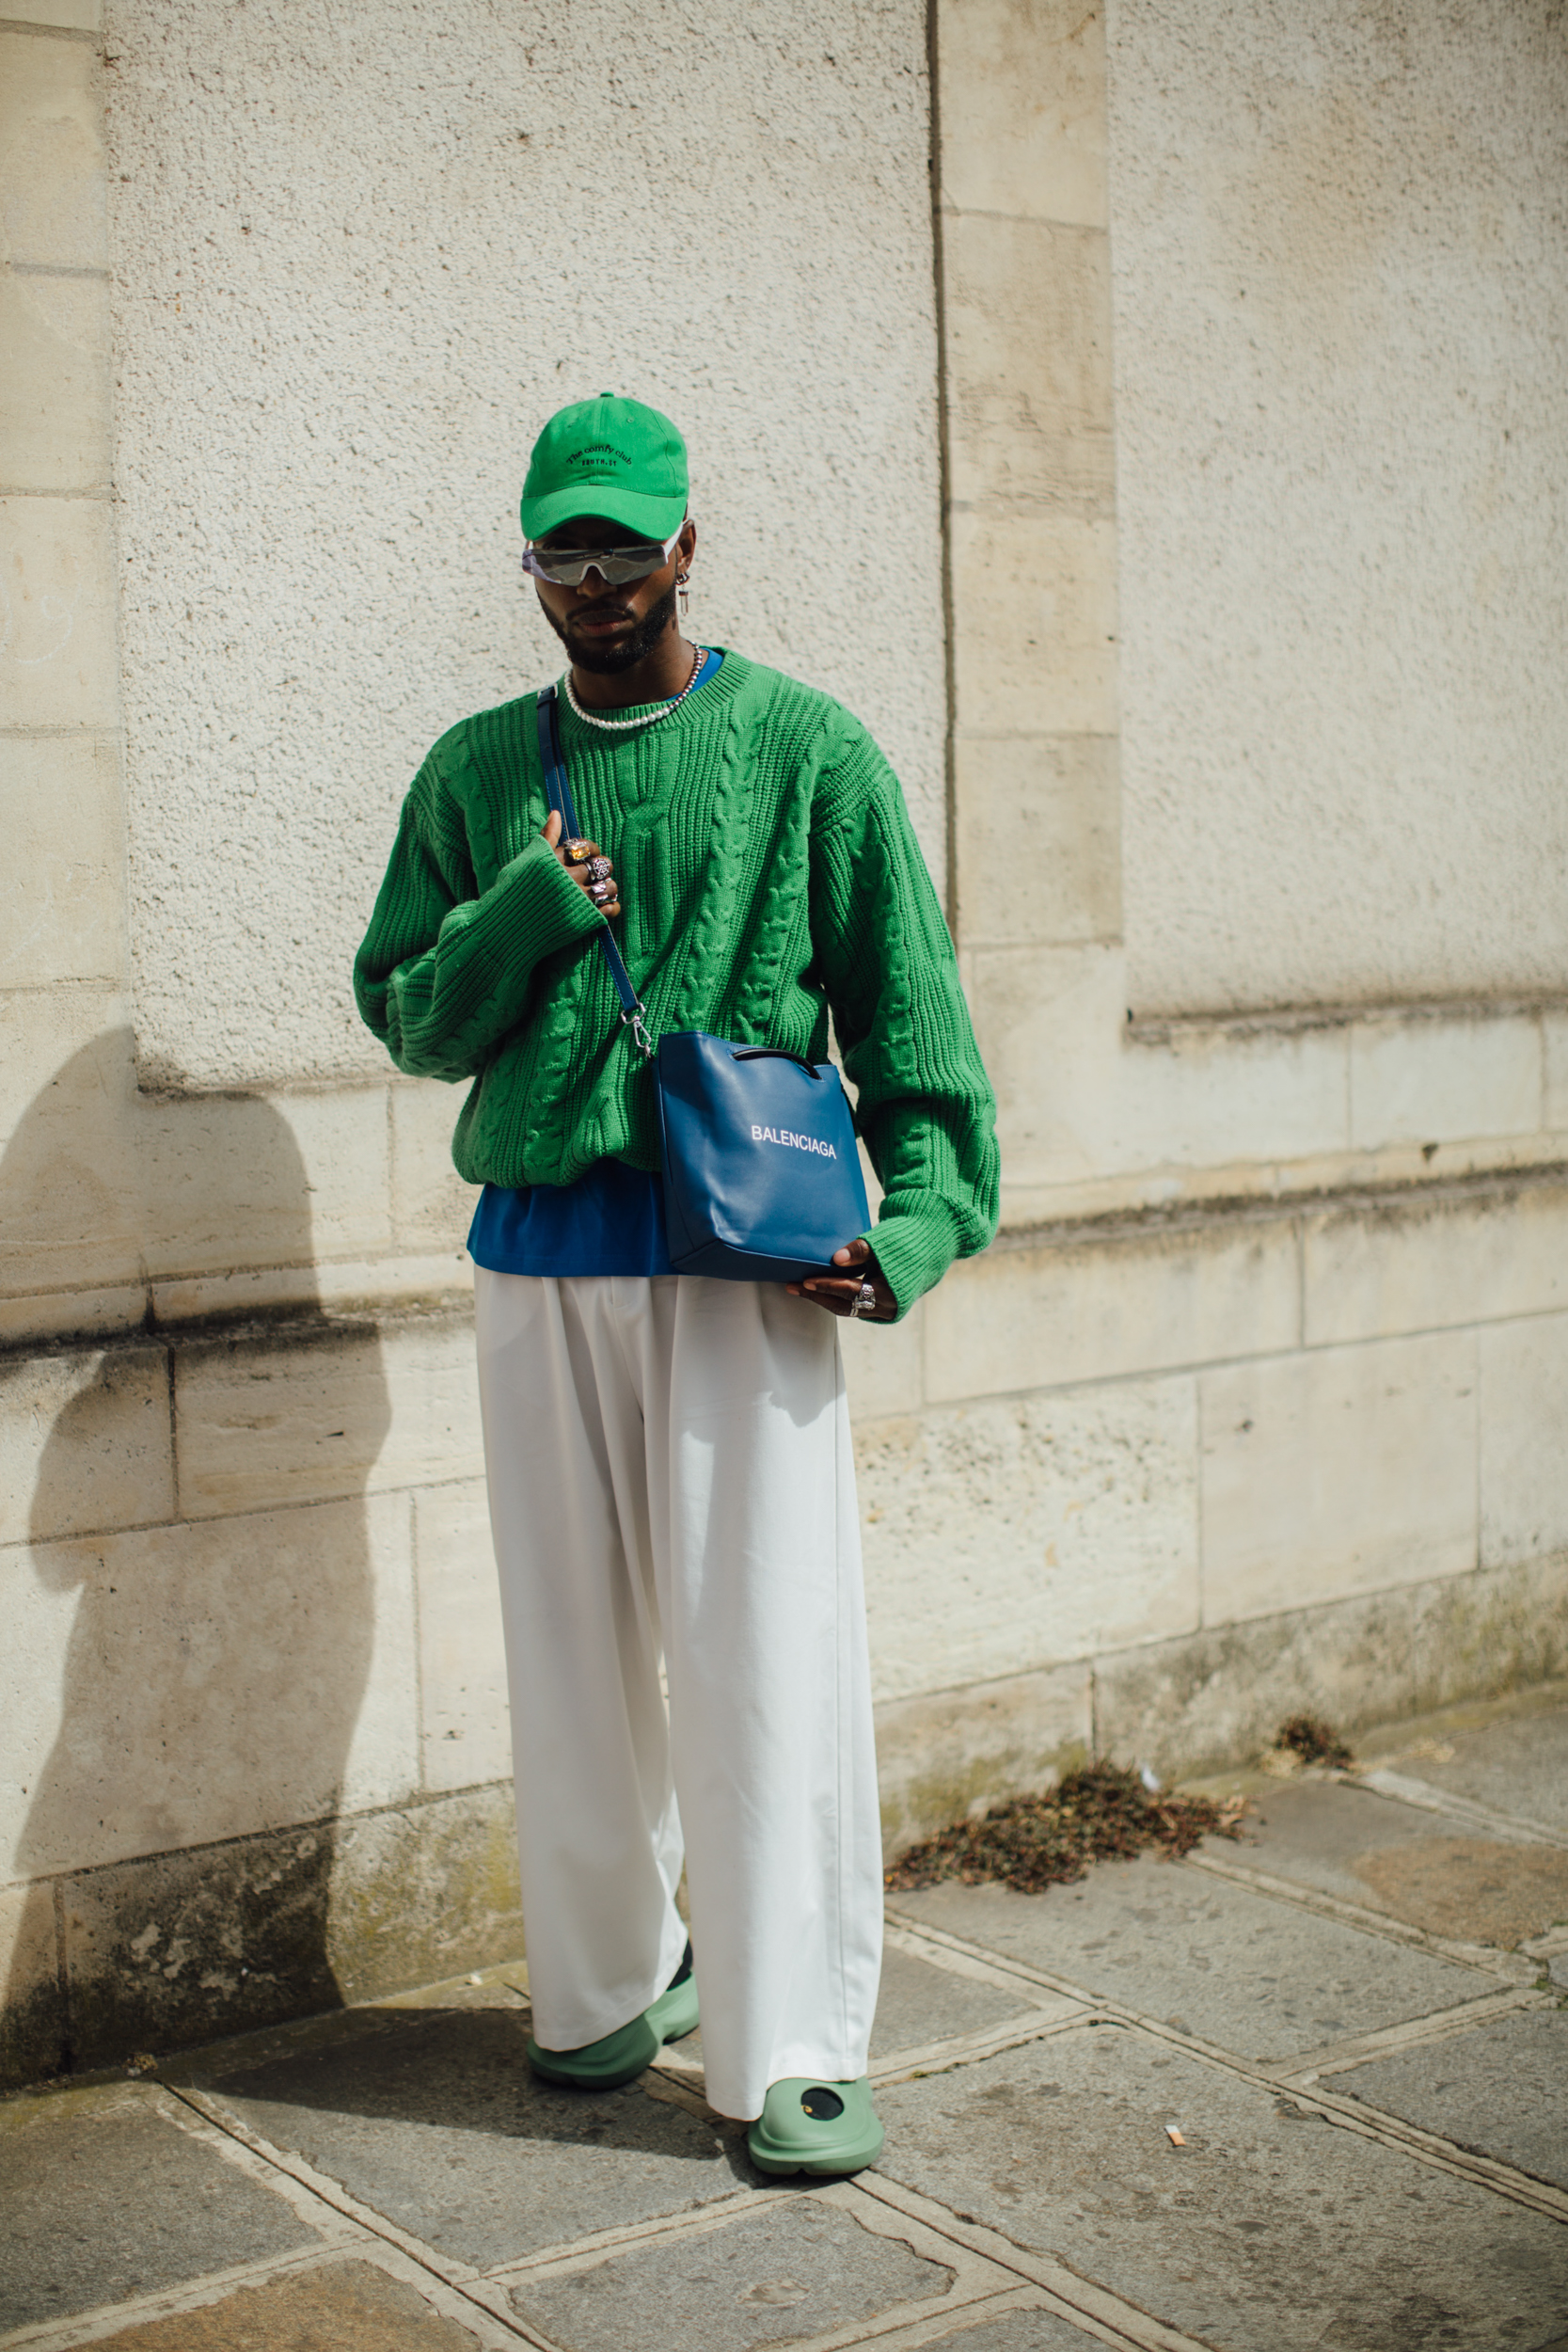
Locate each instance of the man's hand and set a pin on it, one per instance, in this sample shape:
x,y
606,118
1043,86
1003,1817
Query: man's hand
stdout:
x,y
587,865
861,1290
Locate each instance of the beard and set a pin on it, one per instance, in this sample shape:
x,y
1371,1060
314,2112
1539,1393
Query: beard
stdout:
x,y
610,660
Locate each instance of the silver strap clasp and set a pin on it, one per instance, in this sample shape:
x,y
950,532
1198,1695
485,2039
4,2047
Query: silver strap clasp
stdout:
x,y
634,1021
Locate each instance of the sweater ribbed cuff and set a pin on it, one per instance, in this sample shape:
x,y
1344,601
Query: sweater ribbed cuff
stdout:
x,y
914,1247
553,909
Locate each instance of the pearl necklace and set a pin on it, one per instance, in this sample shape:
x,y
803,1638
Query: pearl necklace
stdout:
x,y
591,719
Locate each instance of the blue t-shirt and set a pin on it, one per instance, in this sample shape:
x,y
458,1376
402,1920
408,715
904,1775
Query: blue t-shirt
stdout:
x,y
610,1221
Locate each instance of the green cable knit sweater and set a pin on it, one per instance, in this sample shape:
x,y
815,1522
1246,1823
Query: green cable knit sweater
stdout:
x,y
767,871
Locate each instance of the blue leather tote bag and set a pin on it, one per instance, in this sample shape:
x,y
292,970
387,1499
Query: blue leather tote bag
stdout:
x,y
762,1179
762,1176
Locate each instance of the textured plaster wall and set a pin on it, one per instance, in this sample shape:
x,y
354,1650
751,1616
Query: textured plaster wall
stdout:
x,y
1339,240
359,256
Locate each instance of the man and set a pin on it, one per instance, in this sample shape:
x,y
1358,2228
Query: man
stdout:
x,y
668,1456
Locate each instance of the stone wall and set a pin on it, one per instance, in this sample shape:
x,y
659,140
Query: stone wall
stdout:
x,y
1258,1401
283,308
1145,1486
1253,1405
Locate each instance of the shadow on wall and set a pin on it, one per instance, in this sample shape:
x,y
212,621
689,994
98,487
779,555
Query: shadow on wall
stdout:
x,y
215,1666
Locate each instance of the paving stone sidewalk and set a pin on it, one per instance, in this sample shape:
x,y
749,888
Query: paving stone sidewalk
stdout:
x,y
1310,2090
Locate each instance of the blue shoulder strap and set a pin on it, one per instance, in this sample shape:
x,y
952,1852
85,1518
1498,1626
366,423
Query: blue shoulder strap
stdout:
x,y
557,785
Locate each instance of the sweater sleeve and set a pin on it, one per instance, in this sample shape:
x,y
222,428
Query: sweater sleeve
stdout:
x,y
445,969
926,1107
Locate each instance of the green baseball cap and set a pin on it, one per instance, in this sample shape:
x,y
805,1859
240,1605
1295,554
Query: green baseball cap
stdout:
x,y
607,456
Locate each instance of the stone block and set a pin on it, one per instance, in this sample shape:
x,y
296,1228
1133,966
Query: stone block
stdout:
x,y
256,1181
1513,1759
341,1136
100,1182
1503,1629
1082,1096
1099,1307
1230,2238
1554,1034
38,1318
1488,1890
300,1414
425,1893
1047,1021
190,1683
1037,837
1523,1439
84,1442
381,1766
70,1206
437,2123
431,1206
1417,1260
110,2204
1028,309
1498,2090
1262,1978
57,662
1217,1699
62,900
919,2003
1445,1081
1338,1471
33,2034
884,1365
37,1598
51,183
812,2267
267,1419
333,1286
82,16
176,1948
1388,1856
1212,1097
1019,2325
432,1384
353,2305
465,1725
1011,1534
941,1753
1022,100
1034,629
181,1947
55,383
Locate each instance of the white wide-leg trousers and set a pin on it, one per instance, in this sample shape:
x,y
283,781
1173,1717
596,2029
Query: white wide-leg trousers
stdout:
x,y
670,1475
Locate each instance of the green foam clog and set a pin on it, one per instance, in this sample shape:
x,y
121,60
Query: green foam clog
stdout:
x,y
807,2126
621,2056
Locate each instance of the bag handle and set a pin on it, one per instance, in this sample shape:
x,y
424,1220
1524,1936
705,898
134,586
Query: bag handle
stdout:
x,y
557,785
776,1053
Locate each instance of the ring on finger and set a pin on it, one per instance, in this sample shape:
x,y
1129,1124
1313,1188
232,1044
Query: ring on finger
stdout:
x,y
864,1299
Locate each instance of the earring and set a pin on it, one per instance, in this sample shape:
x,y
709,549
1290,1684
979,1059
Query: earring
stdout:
x,y
681,578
